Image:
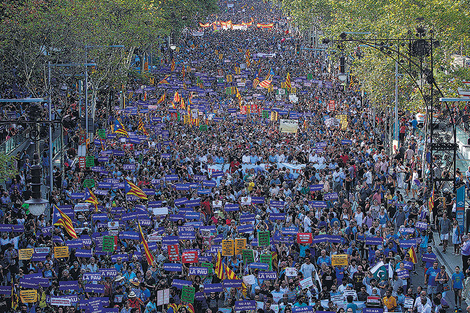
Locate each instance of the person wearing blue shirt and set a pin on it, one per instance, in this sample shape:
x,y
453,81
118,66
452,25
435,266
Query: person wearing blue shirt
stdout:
x,y
323,258
457,286
430,279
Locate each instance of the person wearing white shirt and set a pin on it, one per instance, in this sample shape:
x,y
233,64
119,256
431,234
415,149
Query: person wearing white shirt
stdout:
x,y
422,302
308,222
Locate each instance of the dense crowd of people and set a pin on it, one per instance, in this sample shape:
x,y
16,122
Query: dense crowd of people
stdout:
x,y
196,199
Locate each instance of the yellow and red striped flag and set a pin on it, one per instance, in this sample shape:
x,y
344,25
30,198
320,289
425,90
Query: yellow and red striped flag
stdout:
x,y
132,189
91,198
148,255
162,98
219,267
265,83
173,64
412,254
288,82
66,223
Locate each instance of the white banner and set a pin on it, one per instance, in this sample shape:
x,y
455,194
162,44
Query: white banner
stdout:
x,y
288,126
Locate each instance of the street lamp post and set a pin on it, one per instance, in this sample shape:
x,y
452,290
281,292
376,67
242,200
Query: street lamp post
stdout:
x,y
419,49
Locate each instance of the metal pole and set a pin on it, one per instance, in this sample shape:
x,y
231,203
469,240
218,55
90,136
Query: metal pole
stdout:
x,y
51,146
396,104
431,118
86,94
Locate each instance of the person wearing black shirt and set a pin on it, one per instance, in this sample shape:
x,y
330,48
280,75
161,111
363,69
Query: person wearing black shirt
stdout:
x,y
358,277
328,279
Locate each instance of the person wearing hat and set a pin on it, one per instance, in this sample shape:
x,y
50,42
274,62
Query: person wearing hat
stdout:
x,y
134,301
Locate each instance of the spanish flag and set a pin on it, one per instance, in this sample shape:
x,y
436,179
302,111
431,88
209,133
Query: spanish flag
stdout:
x,y
132,189
66,223
148,255
219,267
412,254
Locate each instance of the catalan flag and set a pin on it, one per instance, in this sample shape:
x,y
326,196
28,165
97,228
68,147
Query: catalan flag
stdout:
x,y
255,81
412,254
164,80
132,189
229,273
141,127
148,254
288,82
162,98
219,267
65,222
176,97
183,71
182,106
173,65
91,198
119,128
431,202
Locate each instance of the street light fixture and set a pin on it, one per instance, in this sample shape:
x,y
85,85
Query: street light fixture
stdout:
x,y
37,205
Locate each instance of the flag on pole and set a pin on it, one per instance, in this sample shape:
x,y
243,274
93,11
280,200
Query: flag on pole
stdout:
x,y
91,198
390,271
148,254
182,106
412,254
288,82
317,279
141,127
176,97
119,128
219,267
255,81
164,80
65,222
183,71
162,98
173,64
431,202
132,189
14,296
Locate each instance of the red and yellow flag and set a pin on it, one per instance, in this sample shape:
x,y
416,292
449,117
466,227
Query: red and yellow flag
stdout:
x,y
412,254
66,223
148,255
219,267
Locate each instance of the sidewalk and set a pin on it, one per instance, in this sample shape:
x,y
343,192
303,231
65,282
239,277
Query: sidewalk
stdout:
x,y
448,259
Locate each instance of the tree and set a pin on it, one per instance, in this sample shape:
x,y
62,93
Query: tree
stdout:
x,y
448,20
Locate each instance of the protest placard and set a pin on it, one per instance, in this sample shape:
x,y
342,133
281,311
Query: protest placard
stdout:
x,y
306,283
61,252
29,295
264,238
173,253
266,258
339,260
291,272
108,243
240,245
304,238
25,254
187,294
228,247
248,256
189,257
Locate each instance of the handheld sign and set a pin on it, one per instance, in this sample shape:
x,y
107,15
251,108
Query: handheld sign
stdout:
x,y
240,245
228,247
339,260
264,238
